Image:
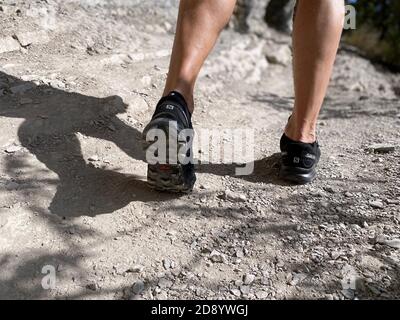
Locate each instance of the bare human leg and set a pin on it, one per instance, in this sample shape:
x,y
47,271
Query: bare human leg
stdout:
x,y
317,30
199,25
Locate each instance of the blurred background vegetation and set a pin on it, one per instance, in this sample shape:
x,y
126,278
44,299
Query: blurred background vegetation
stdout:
x,y
378,30
377,33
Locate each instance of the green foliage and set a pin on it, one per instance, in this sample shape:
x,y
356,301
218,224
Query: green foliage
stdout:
x,y
378,29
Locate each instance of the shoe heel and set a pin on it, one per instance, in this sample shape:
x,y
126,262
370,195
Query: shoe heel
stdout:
x,y
169,176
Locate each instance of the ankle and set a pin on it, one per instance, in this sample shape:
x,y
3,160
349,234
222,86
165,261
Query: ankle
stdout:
x,y
302,131
188,98
185,91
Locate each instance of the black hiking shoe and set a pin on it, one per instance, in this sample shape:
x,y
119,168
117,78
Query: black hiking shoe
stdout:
x,y
170,158
299,161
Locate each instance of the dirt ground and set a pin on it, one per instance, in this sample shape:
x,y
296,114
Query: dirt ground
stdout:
x,y
78,82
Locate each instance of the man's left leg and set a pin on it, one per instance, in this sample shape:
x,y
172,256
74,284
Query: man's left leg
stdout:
x,y
317,30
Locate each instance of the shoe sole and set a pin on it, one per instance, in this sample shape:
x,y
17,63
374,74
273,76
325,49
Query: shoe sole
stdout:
x,y
167,177
297,175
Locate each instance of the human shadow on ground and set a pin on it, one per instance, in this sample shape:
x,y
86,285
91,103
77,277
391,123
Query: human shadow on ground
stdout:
x,y
265,170
53,118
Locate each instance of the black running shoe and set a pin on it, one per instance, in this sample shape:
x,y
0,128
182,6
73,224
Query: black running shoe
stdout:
x,y
170,165
299,160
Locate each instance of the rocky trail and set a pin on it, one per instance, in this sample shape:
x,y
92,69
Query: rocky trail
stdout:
x,y
78,82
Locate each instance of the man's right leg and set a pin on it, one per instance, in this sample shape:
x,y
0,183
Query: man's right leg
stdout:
x,y
199,25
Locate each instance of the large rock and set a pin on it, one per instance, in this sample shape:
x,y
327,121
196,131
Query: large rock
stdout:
x,y
9,44
250,15
279,14
253,15
34,37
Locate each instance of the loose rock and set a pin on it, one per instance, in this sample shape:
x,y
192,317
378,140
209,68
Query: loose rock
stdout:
x,y
92,286
377,204
395,243
13,149
28,38
217,257
262,295
381,148
236,292
248,279
9,44
138,287
234,196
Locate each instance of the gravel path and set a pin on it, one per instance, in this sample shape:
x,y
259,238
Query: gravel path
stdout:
x,y
78,81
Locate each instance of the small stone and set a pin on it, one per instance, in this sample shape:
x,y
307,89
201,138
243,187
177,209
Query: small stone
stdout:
x,y
245,289
262,295
329,297
348,293
164,283
391,201
329,189
248,279
239,253
138,287
217,257
157,290
135,269
166,264
234,196
94,158
58,84
336,254
13,149
167,26
171,233
381,148
238,283
297,278
395,243
235,292
280,55
60,268
377,204
162,296
358,87
92,286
